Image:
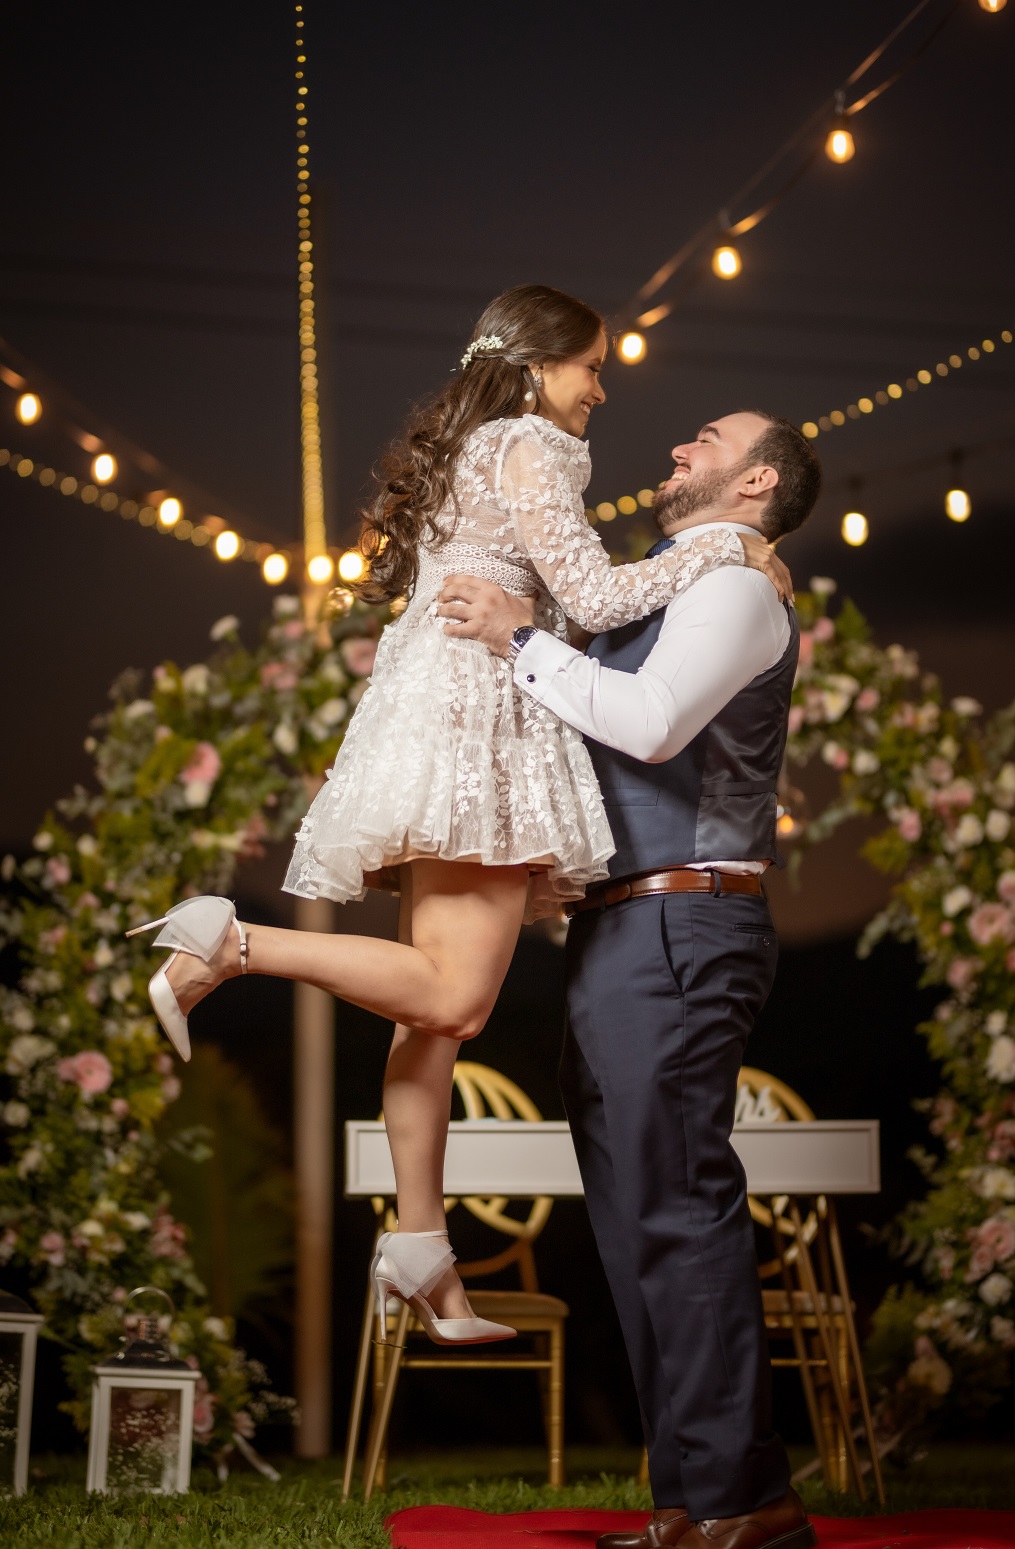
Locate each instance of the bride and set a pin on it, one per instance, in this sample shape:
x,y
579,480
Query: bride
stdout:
x,y
478,802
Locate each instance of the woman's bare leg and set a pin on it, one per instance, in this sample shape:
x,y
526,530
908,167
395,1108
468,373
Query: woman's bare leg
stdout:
x,y
465,924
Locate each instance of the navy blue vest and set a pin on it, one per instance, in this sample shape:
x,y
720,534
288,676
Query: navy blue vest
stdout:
x,y
716,800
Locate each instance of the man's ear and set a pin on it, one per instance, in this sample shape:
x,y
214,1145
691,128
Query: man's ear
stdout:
x,y
758,480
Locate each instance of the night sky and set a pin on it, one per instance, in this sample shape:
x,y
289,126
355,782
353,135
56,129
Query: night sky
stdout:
x,y
147,265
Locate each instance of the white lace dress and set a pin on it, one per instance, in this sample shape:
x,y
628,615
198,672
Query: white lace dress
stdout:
x,y
444,756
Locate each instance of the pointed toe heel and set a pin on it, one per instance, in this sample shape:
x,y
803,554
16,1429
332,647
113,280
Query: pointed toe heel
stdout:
x,y
407,1265
197,926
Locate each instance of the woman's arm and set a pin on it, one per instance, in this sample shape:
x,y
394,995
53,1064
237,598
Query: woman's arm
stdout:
x,y
551,526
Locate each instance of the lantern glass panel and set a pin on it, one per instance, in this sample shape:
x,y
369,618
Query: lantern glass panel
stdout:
x,y
144,1439
10,1392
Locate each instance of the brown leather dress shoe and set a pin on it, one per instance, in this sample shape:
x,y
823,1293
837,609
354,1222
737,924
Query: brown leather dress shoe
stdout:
x,y
781,1524
668,1525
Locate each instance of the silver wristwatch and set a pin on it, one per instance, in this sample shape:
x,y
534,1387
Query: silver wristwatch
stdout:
x,y
519,639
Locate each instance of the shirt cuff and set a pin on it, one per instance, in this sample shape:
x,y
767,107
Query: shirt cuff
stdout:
x,y
539,661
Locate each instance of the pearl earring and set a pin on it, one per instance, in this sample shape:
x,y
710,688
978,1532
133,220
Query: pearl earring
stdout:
x,y
529,397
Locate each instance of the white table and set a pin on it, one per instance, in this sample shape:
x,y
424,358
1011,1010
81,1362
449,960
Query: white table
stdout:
x,y
520,1158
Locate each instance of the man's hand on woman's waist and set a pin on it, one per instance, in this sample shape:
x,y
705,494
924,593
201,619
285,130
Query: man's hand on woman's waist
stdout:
x,y
483,611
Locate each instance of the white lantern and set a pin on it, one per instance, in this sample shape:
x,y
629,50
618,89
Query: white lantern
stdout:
x,y
19,1330
142,1412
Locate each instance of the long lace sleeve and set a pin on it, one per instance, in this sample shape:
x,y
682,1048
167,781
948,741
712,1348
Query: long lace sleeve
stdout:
x,y
538,482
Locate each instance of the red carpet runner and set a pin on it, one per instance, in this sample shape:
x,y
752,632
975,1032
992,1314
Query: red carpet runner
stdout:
x,y
453,1527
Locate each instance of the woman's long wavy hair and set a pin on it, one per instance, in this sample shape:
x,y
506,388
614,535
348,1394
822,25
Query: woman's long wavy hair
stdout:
x,y
535,324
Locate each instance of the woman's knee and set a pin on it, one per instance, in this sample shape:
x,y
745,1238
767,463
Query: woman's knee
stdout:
x,y
459,1024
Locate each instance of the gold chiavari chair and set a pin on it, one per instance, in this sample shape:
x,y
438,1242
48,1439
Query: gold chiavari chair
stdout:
x,y
484,1093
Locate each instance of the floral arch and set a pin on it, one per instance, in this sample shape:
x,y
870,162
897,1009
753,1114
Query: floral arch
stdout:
x,y
197,769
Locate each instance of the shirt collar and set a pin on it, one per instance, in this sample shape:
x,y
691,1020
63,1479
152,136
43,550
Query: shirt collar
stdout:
x,y
690,532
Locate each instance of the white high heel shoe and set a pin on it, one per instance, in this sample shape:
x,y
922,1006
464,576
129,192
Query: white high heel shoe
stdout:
x,y
408,1265
198,926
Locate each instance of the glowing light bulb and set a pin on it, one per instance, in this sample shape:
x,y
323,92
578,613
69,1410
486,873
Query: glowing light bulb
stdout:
x,y
275,568
839,146
855,528
352,565
631,348
726,262
104,468
993,6
958,505
227,545
170,511
28,408
321,569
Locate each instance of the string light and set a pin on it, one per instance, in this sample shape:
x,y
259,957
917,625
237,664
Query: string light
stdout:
x,y
631,347
839,146
726,262
958,505
993,6
352,565
894,391
855,528
227,545
28,408
275,568
104,468
170,511
315,541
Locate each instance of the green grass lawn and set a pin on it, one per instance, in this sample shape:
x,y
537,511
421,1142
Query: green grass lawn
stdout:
x,y
306,1508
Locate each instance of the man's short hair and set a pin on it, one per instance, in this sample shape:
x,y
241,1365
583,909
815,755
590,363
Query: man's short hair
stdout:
x,y
783,447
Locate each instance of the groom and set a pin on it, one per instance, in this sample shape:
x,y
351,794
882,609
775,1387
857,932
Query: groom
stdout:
x,y
668,965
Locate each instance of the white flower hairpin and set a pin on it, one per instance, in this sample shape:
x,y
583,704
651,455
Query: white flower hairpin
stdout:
x,y
482,346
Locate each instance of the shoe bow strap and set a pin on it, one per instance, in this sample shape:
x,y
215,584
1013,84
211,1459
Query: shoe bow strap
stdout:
x,y
413,1261
198,926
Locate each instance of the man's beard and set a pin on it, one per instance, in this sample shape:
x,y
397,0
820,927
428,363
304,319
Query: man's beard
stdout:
x,y
689,496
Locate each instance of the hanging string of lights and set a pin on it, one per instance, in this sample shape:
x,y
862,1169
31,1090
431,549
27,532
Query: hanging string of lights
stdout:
x,y
828,129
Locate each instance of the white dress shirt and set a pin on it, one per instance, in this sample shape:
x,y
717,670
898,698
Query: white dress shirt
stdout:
x,y
716,637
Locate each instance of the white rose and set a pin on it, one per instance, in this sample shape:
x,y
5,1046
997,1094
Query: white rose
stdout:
x,y
88,845
995,1023
136,1220
89,1228
835,704
121,987
995,1289
285,739
43,841
996,1183
822,585
27,1050
969,829
195,679
1001,1059
29,1161
286,607
16,1115
1003,1330
955,900
865,762
927,716
963,705
216,1328
22,1019
102,957
332,711
138,708
196,793
997,825
225,626
948,748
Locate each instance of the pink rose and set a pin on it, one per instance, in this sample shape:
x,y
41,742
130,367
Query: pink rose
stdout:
x,y
940,770
796,719
90,1071
962,971
1009,961
868,699
955,795
119,1107
169,1238
57,871
907,821
204,765
947,928
998,1235
1006,886
292,630
824,630
806,648
991,922
358,656
171,1088
86,901
981,1262
53,1248
204,1408
904,715
280,676
164,1064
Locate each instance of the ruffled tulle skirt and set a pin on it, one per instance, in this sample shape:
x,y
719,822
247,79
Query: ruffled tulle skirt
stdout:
x,y
444,757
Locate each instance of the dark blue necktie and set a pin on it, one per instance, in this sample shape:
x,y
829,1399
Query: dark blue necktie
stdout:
x,y
659,548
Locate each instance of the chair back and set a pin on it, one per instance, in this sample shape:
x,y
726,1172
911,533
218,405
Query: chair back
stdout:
x,y
485,1093
764,1098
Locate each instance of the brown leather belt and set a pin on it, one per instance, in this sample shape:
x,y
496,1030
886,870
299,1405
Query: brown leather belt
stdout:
x,y
673,879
